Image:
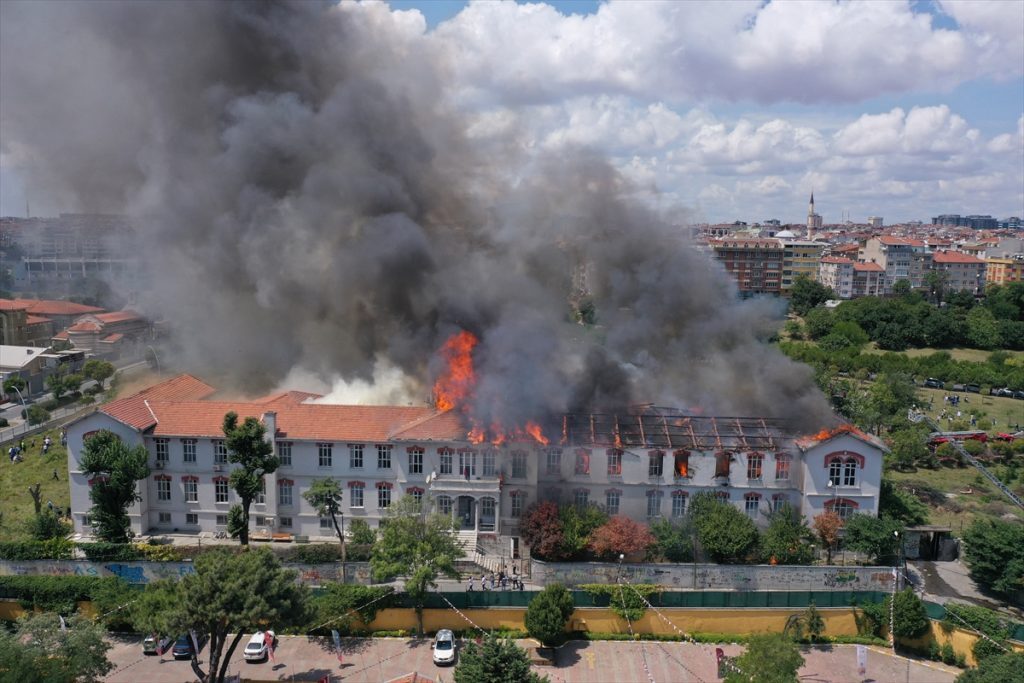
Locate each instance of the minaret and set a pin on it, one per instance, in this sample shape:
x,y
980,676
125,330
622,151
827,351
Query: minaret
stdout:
x,y
813,219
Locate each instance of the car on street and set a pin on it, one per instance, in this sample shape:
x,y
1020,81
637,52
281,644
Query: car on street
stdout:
x,y
183,646
933,383
444,648
258,647
156,645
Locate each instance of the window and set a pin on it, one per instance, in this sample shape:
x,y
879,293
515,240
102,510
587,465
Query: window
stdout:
x,y
285,522
835,472
192,519
261,495
681,464
416,461
654,503
446,460
324,450
383,457
656,464
782,464
490,456
611,501
751,501
86,520
444,505
554,459
162,451
220,488
778,500
842,507
517,503
722,496
222,520
284,453
326,523
356,494
261,520
165,517
850,472
467,463
284,492
755,461
383,497
163,489
518,464
355,456
417,495
580,498
188,447
220,453
722,461
678,503
614,462
191,491
582,461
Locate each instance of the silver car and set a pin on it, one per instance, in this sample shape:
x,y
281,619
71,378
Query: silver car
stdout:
x,y
444,648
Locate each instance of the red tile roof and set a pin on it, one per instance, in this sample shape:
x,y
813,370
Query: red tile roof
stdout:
x,y
12,305
36,320
49,307
892,240
871,267
61,335
836,259
133,410
291,396
812,440
112,338
118,316
955,257
85,326
846,248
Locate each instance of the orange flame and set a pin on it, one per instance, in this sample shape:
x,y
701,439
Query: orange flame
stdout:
x,y
456,383
534,430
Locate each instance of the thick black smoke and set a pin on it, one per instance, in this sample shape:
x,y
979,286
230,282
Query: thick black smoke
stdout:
x,y
311,200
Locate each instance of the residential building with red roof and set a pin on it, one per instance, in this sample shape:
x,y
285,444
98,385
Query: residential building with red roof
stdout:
x,y
961,271
109,334
645,465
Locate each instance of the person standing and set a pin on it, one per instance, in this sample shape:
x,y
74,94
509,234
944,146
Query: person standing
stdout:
x,y
470,587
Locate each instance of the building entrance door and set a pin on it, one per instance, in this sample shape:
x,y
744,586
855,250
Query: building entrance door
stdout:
x,y
466,511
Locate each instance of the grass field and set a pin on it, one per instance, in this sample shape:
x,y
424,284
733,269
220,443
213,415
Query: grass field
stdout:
x,y
1006,412
958,495
975,355
15,478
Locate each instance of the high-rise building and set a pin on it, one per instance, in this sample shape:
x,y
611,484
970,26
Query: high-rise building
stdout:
x,y
875,221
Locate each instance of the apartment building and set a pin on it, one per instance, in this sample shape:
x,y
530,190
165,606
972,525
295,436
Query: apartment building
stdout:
x,y
644,465
893,254
755,264
1003,271
850,279
963,271
799,257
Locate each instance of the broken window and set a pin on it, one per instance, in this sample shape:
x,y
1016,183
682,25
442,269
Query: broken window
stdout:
x,y
782,462
755,461
722,462
656,464
614,461
681,467
582,461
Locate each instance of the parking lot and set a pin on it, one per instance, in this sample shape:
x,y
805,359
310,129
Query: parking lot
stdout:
x,y
384,659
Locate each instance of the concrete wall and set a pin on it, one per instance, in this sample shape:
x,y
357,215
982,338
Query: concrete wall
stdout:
x,y
717,576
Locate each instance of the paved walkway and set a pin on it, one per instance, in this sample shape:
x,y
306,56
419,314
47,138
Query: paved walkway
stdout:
x,y
382,659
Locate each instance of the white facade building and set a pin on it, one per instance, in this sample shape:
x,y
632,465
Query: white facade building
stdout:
x,y
643,465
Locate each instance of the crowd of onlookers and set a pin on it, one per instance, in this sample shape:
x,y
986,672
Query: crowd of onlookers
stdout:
x,y
499,581
16,450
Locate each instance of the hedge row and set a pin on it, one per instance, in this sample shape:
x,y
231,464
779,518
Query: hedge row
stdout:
x,y
60,549
60,593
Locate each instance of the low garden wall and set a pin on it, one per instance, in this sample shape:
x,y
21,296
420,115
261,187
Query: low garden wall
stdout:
x,y
718,576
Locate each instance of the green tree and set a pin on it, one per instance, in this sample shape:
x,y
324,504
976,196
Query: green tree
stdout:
x,y
909,447
872,536
73,382
228,593
325,495
548,613
806,293
1000,669
900,506
807,626
36,415
41,651
726,534
55,383
361,533
771,658
936,282
994,551
578,524
674,539
787,540
495,661
819,322
98,370
114,468
909,617
416,546
238,523
47,525
12,385
248,446
982,329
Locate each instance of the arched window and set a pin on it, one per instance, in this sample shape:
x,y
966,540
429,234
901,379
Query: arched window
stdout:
x,y
835,471
842,507
782,465
850,472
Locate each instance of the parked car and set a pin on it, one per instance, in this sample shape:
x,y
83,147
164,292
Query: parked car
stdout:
x,y
444,648
183,646
934,383
156,645
973,388
958,387
1018,394
258,647
1005,392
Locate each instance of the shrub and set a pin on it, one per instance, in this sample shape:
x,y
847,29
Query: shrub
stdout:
x,y
103,551
909,617
548,613
52,593
53,549
50,404
986,621
674,540
314,553
623,599
947,654
360,533
36,414
47,525
4,422
161,552
337,605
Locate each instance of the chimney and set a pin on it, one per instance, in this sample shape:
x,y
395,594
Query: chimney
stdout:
x,y
269,420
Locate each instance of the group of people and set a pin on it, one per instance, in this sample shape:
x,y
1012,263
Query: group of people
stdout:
x,y
16,450
499,581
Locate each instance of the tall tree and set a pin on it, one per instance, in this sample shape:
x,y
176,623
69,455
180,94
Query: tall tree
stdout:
x,y
325,495
228,593
874,536
548,613
827,526
771,658
787,538
113,468
495,661
995,554
248,446
541,529
807,293
417,546
98,370
55,383
726,534
620,535
41,650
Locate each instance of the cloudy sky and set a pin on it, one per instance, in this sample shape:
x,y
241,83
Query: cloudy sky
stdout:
x,y
736,110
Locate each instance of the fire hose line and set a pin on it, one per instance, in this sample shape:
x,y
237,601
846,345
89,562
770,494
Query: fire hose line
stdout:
x,y
643,649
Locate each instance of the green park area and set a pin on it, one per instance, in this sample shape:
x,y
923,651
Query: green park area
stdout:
x,y
16,478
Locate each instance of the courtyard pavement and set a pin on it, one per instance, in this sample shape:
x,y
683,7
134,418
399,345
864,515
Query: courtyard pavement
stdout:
x,y
382,659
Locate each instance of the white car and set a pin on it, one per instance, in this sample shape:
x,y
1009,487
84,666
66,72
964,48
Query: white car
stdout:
x,y
258,647
444,647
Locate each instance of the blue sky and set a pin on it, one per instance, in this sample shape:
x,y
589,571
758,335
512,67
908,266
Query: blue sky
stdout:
x,y
719,111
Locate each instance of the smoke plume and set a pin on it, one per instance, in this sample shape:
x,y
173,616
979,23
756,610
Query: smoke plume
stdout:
x,y
312,202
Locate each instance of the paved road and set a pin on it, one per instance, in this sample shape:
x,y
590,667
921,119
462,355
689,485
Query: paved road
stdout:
x,y
383,659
